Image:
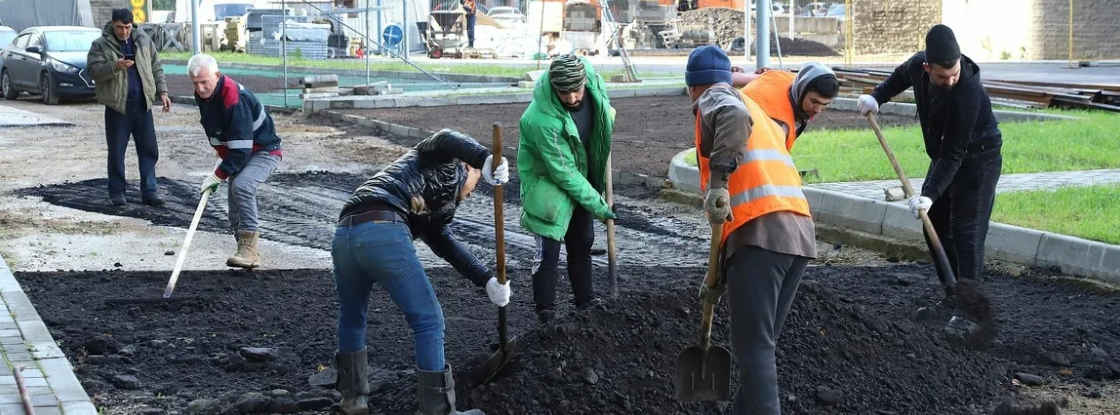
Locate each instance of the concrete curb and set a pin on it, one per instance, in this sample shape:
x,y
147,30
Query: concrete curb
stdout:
x,y
1072,255
44,360
398,101
189,100
299,71
911,110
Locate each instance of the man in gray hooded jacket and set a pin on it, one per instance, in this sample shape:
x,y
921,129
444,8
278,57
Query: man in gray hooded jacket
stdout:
x,y
791,100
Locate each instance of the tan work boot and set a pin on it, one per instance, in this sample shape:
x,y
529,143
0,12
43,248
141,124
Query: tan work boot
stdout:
x,y
246,256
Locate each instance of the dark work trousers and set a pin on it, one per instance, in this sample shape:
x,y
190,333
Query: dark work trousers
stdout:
x,y
761,286
470,30
962,214
136,123
578,241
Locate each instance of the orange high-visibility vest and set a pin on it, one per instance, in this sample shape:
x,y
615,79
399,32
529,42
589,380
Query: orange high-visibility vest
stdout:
x,y
771,92
765,180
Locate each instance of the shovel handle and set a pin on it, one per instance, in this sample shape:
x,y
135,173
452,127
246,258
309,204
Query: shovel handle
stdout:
x,y
612,260
499,236
945,270
712,280
186,244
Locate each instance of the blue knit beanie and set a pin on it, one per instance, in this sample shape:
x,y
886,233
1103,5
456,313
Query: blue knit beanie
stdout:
x,y
707,65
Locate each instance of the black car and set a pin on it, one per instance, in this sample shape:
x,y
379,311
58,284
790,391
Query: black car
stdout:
x,y
50,61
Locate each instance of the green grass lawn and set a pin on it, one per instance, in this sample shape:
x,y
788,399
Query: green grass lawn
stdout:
x,y
1084,212
480,68
1028,147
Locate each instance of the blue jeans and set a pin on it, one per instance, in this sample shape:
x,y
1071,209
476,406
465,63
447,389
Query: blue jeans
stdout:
x,y
135,123
383,253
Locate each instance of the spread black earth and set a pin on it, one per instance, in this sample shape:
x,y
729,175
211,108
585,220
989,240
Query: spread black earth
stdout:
x,y
263,342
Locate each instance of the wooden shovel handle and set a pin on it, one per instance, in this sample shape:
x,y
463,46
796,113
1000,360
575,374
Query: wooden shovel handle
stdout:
x,y
499,215
948,279
712,279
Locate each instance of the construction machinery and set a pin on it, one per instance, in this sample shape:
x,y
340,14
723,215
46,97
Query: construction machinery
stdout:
x,y
447,33
653,26
582,26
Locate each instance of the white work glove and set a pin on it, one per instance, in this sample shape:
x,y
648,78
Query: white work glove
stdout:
x,y
212,181
919,203
499,293
717,214
867,103
492,176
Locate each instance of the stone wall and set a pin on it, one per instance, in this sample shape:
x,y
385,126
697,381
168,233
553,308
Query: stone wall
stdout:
x,y
103,10
1096,29
893,26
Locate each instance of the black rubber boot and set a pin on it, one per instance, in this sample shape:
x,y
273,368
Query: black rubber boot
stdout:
x,y
353,382
437,393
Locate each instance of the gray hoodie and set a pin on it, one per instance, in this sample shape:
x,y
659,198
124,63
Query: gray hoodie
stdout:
x,y
809,72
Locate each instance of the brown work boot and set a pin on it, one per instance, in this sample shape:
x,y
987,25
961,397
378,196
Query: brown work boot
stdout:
x,y
246,256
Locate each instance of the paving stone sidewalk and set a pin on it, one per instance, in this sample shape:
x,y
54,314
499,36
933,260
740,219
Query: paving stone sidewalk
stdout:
x,y
25,342
1007,183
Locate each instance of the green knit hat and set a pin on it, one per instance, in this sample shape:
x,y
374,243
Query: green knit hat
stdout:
x,y
567,73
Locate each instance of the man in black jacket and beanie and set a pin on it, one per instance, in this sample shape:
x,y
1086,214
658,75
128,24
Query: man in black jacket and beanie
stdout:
x,y
962,140
415,197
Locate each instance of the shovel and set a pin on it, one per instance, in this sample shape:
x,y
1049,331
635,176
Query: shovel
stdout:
x,y
612,261
704,371
965,295
178,262
506,346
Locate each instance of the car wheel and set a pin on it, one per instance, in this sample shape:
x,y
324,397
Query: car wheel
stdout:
x,y
47,90
10,92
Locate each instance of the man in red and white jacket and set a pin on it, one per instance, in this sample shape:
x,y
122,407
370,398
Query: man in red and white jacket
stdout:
x,y
241,130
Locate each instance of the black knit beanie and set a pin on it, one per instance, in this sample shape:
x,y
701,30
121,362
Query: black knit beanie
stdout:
x,y
941,45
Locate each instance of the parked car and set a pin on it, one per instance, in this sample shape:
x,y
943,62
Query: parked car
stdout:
x,y
507,16
7,34
50,61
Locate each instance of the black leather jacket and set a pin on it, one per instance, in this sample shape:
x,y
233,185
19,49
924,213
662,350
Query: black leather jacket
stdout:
x,y
423,186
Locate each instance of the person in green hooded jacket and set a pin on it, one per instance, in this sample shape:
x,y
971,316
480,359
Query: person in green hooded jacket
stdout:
x,y
562,163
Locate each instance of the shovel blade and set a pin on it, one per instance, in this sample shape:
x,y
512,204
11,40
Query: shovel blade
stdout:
x,y
704,375
497,361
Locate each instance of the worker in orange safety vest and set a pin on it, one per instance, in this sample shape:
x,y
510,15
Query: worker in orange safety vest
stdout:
x,y
813,88
768,234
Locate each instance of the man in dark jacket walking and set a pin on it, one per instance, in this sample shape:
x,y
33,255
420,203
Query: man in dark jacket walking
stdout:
x,y
241,131
415,197
962,140
128,76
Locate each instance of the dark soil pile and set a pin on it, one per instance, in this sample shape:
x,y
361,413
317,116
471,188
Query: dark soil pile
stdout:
x,y
253,341
833,358
648,131
727,23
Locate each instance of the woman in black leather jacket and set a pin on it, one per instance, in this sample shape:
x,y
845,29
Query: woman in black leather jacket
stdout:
x,y
414,197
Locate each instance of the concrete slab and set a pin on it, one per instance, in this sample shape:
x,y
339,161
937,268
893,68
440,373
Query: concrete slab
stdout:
x,y
853,212
815,197
683,176
14,117
1063,251
899,223
1013,243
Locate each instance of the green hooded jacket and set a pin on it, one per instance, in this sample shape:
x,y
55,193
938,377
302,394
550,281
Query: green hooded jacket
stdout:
x,y
553,164
111,85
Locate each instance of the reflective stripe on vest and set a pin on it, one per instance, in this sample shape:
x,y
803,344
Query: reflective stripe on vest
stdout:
x,y
765,180
771,92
